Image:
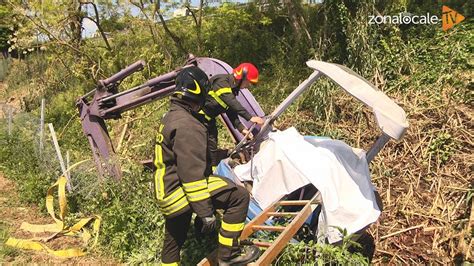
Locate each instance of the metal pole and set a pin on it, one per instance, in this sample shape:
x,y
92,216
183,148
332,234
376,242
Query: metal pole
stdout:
x,y
60,157
41,144
267,126
378,145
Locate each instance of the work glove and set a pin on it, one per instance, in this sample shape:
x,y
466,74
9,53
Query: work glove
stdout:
x,y
205,225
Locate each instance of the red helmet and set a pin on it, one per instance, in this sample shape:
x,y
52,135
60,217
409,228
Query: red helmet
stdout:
x,y
246,71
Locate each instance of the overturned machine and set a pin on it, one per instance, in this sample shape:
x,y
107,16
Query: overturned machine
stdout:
x,y
320,184
105,102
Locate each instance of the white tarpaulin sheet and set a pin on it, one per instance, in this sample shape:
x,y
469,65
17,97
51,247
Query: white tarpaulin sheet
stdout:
x,y
288,161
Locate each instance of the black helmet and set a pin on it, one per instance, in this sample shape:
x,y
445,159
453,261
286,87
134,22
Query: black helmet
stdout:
x,y
192,84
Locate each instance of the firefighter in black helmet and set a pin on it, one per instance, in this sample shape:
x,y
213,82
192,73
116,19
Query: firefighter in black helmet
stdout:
x,y
182,181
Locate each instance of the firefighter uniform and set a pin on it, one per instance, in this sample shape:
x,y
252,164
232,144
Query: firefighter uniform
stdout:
x,y
183,184
222,99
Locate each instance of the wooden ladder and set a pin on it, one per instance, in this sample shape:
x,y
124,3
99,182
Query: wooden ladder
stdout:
x,y
287,232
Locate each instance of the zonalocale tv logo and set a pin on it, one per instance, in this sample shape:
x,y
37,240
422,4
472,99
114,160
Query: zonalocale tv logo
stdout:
x,y
449,18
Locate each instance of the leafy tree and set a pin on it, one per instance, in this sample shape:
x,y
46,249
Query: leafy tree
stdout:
x,y
6,26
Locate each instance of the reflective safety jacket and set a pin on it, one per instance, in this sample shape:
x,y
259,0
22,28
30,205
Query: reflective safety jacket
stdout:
x,y
221,99
182,163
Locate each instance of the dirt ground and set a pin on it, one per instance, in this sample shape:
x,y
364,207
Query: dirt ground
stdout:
x,y
13,213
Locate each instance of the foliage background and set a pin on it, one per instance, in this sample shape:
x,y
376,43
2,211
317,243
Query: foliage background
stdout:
x,y
425,181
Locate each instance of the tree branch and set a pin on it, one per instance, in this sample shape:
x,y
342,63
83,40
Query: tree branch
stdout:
x,y
296,19
52,36
97,23
151,25
75,22
156,11
140,6
198,24
61,42
192,14
175,38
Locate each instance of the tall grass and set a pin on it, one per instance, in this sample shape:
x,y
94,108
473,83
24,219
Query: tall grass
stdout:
x,y
4,64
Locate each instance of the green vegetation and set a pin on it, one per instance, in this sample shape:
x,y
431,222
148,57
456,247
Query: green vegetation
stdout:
x,y
6,28
313,254
424,69
5,251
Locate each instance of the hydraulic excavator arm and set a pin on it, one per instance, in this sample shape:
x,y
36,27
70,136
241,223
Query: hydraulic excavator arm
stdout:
x,y
105,102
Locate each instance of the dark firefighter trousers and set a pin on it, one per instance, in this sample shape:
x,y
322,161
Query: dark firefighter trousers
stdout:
x,y
234,201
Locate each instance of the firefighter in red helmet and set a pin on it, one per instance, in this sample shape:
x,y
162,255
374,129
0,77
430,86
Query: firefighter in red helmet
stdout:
x,y
222,99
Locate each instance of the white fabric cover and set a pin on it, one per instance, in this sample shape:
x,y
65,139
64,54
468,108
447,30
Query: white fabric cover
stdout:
x,y
288,161
391,118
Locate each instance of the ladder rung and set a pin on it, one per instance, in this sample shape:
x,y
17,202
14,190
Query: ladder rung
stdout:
x,y
262,244
282,213
293,202
269,228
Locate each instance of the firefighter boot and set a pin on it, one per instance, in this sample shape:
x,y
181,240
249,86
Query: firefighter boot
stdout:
x,y
246,255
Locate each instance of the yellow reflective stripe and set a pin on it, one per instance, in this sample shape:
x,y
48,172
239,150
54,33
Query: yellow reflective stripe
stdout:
x,y
208,118
195,188
232,227
197,90
196,185
219,92
199,192
223,90
225,240
160,166
170,264
175,206
214,178
177,194
171,208
199,195
200,198
215,182
216,185
160,172
218,100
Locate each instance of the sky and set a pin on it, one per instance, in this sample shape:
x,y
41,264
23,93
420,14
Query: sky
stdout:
x,y
89,28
